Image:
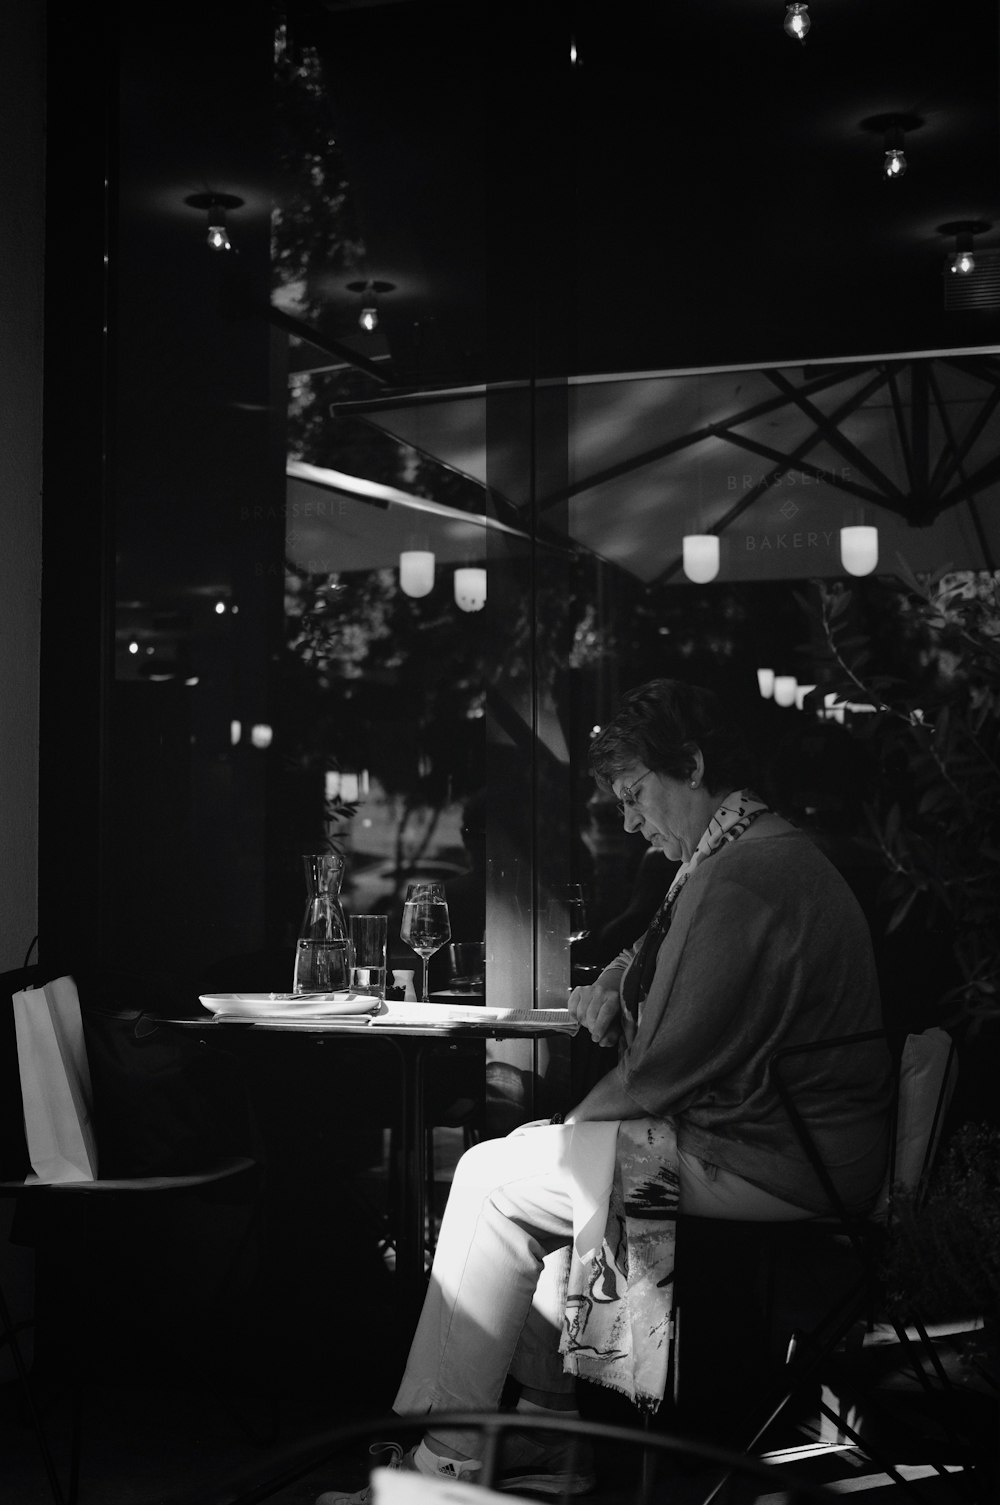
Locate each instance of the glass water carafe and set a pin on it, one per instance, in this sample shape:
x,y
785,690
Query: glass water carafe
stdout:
x,y
322,962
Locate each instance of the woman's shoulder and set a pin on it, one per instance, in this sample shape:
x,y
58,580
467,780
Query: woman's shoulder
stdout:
x,y
774,845
768,824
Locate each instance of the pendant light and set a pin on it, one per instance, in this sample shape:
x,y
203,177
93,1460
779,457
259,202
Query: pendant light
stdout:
x,y
416,572
700,551
859,549
961,262
894,129
894,157
797,21
701,557
369,293
368,317
470,588
216,207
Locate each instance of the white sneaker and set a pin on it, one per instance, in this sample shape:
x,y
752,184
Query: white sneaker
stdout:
x,y
443,1468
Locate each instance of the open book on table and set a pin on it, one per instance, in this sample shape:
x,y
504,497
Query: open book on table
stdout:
x,y
473,1013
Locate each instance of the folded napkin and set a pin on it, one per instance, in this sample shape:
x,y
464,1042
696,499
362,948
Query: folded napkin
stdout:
x,y
288,1005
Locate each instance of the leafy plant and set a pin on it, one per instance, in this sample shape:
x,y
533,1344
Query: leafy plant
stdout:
x,y
923,663
943,1257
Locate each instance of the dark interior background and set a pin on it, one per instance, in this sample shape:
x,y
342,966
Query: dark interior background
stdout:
x,y
697,190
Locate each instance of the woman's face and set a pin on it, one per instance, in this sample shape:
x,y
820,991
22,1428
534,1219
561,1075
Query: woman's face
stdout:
x,y
669,813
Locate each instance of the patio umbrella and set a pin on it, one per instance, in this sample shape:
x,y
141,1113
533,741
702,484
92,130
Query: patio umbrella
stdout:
x,y
773,461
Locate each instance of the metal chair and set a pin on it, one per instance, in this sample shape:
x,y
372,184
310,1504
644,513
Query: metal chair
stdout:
x,y
841,1255
67,1218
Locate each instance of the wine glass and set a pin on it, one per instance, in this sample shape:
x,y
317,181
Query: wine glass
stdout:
x,y
426,925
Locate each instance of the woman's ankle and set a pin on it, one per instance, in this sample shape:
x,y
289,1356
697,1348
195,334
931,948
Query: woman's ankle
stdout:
x,y
441,1448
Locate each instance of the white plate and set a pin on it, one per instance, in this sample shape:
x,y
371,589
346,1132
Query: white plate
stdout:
x,y
287,1005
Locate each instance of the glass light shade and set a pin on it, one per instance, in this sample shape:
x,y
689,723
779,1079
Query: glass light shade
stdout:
x,y
368,318
470,589
797,21
765,683
963,262
894,163
785,686
859,549
701,557
416,572
218,237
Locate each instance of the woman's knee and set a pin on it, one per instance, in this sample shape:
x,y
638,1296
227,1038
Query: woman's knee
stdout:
x,y
480,1165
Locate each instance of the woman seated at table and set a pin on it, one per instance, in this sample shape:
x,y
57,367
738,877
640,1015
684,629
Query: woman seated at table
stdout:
x,y
758,944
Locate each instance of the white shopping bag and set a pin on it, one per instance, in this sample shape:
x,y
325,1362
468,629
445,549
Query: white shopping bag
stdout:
x,y
55,1082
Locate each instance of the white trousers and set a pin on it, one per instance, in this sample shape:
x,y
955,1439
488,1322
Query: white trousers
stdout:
x,y
496,1296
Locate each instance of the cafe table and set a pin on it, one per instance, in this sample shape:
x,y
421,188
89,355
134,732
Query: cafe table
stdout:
x,y
413,1033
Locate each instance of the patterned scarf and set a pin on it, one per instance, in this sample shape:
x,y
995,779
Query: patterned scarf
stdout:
x,y
619,1305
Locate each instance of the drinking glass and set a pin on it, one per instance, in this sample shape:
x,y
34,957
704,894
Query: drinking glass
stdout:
x,y
426,926
467,964
368,943
571,898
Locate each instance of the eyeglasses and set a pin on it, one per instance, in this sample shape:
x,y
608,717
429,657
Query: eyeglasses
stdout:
x,y
626,798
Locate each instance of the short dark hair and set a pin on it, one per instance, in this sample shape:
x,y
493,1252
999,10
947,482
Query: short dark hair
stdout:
x,y
661,723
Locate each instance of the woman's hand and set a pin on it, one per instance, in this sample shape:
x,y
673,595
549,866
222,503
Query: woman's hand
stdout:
x,y
598,1008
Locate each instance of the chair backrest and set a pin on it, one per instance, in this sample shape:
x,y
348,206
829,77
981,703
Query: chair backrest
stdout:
x,y
926,1069
925,1081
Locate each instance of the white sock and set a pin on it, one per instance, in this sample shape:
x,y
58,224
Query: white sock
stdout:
x,y
426,1461
530,1405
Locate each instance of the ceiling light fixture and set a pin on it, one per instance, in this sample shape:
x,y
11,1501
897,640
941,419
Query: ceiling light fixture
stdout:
x,y
370,291
368,317
859,549
893,129
701,557
961,261
416,572
470,588
894,160
216,207
797,21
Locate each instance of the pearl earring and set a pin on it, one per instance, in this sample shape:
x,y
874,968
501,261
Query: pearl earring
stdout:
x,y
694,783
